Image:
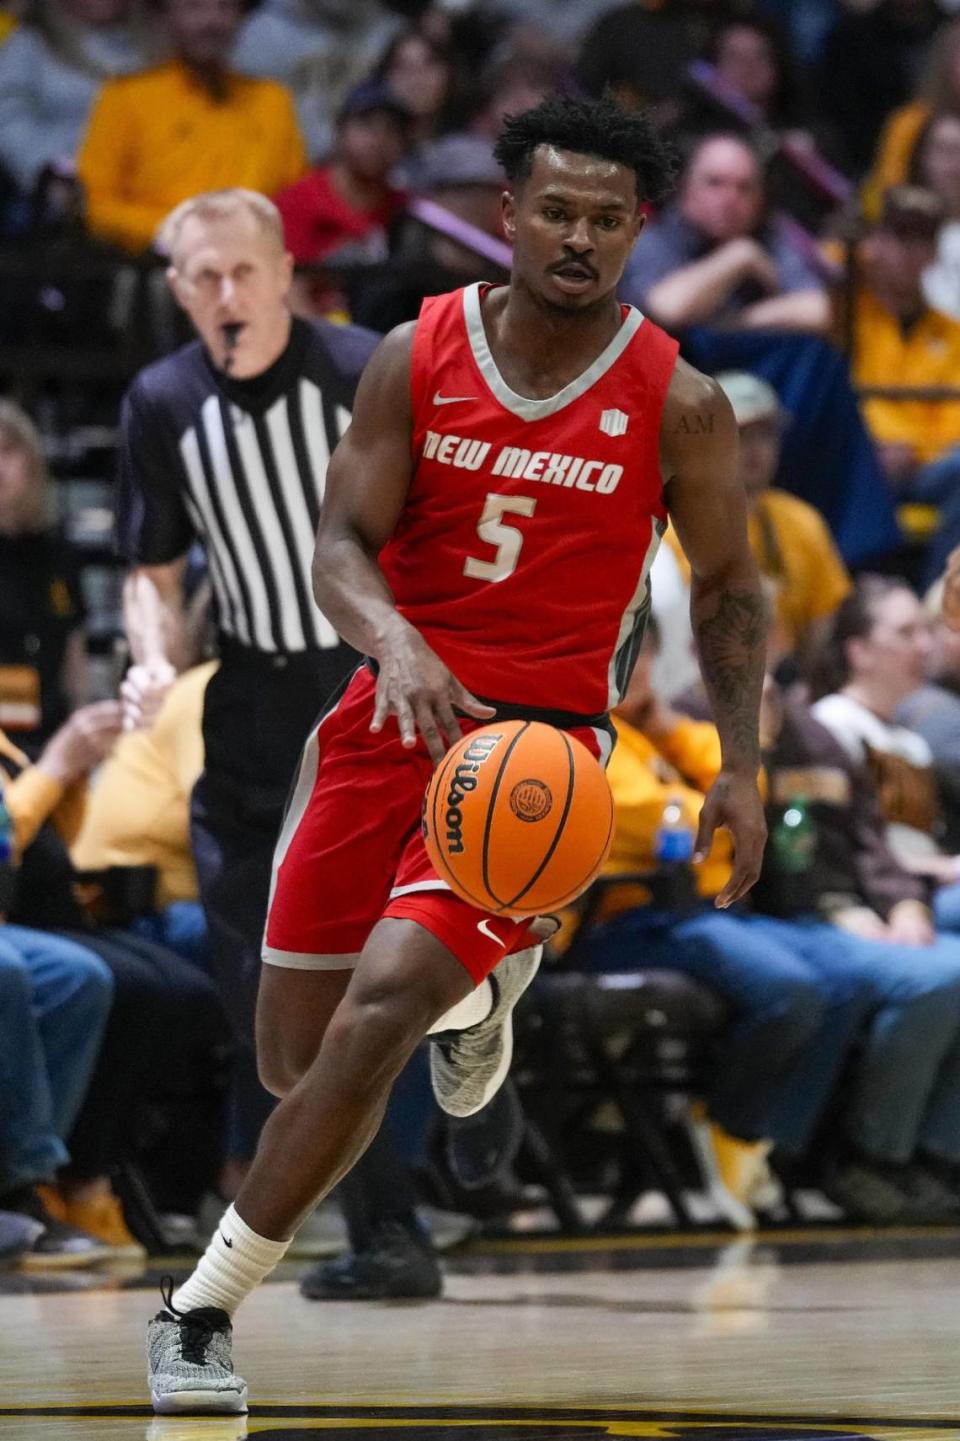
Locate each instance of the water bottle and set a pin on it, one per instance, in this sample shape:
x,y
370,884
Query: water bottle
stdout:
x,y
674,841
794,839
673,847
786,886
7,871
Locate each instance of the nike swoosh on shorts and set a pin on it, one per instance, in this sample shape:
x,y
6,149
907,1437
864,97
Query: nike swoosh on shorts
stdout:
x,y
484,928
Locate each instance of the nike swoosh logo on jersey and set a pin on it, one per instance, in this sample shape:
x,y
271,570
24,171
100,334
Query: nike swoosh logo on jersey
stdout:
x,y
484,928
439,399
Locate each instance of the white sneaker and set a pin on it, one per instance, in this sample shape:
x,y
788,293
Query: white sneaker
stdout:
x,y
189,1362
467,1068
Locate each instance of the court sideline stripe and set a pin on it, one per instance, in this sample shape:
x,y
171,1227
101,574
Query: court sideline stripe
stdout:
x,y
526,1415
703,1240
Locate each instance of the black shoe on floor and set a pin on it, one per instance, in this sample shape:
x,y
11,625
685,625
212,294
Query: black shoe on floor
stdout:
x,y
929,1197
867,1191
17,1233
57,1245
398,1265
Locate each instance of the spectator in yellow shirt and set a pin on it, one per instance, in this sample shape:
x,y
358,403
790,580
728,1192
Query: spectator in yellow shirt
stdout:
x,y
900,341
790,540
165,1011
875,966
790,1026
138,814
940,90
188,126
55,998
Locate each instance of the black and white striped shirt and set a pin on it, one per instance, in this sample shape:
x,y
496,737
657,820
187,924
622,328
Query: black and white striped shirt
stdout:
x,y
241,465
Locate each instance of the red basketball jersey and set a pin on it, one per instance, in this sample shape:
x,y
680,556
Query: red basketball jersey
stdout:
x,y
523,551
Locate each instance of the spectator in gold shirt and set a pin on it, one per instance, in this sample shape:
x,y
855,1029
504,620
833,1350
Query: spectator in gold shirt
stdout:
x,y
165,1011
850,950
790,540
138,814
900,341
790,1026
188,126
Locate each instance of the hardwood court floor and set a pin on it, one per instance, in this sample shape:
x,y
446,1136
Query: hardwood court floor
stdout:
x,y
814,1335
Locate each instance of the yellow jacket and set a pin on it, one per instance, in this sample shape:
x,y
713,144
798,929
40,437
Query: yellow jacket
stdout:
x,y
33,797
155,138
138,813
928,356
644,775
793,548
894,152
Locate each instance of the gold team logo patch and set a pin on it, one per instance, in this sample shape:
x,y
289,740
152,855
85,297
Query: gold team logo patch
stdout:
x,y
531,800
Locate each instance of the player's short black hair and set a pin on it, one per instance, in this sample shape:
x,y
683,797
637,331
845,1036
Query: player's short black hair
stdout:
x,y
590,127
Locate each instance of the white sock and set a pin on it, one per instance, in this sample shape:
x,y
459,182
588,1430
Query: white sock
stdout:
x,y
466,1013
233,1265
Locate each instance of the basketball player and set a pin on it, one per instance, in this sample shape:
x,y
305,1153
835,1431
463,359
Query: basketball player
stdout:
x,y
489,523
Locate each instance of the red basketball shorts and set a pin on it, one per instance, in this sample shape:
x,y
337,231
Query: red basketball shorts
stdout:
x,y
351,849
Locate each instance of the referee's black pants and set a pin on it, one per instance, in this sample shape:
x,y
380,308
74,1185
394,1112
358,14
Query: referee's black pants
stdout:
x,y
258,712
233,830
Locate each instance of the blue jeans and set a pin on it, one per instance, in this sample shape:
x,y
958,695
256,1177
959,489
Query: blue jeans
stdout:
x,y
55,997
181,927
906,1085
792,1022
946,908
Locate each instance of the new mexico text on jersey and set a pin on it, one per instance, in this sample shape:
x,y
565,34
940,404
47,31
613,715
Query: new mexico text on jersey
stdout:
x,y
529,588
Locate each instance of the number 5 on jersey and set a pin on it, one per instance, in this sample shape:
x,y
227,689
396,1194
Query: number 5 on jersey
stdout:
x,y
506,538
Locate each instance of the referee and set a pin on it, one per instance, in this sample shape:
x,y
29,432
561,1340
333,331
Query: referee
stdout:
x,y
227,442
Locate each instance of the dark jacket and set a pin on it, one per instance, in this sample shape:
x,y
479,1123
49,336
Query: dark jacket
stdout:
x,y
852,863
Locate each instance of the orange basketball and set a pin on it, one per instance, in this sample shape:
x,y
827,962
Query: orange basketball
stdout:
x,y
518,818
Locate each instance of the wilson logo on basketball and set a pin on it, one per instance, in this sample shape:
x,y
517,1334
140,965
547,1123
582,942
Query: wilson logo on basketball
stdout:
x,y
490,782
465,780
531,800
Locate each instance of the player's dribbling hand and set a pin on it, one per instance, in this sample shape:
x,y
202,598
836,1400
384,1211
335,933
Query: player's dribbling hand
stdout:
x,y
734,801
951,590
416,687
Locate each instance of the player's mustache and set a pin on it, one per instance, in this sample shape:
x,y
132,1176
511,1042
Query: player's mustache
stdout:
x,y
574,260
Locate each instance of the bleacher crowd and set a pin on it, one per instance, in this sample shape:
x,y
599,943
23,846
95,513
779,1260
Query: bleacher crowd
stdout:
x,y
809,258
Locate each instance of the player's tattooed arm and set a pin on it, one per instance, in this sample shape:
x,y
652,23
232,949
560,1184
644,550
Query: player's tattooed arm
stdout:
x,y
708,509
730,632
701,422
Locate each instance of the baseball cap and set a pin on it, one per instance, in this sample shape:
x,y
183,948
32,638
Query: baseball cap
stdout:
x,y
751,397
911,210
457,160
370,96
